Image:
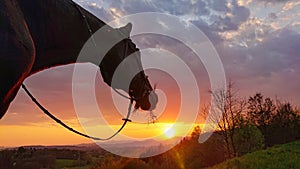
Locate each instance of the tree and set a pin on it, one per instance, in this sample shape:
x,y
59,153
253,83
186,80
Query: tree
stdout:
x,y
196,132
226,112
285,124
260,110
248,138
286,115
260,113
190,154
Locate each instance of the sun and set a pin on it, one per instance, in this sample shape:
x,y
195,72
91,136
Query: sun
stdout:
x,y
169,132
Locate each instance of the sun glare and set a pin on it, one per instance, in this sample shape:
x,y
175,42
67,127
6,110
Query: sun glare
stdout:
x,y
169,132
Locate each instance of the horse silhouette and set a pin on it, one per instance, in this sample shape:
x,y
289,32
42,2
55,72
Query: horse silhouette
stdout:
x,y
37,35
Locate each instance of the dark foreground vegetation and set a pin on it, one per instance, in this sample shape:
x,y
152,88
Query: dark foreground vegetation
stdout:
x,y
49,158
247,128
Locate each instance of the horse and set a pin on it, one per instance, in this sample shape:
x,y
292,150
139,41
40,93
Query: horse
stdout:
x,y
36,35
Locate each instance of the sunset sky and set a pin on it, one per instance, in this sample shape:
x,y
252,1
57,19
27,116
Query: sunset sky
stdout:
x,y
257,41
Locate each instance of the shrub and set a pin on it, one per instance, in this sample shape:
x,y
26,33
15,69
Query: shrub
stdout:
x,y
248,138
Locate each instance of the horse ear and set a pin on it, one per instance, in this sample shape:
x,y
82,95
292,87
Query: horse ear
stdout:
x,y
155,86
126,29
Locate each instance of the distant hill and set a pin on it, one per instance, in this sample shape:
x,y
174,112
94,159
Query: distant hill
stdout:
x,y
69,147
141,143
141,147
285,156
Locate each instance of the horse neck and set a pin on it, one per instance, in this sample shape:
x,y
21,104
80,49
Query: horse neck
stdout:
x,y
58,30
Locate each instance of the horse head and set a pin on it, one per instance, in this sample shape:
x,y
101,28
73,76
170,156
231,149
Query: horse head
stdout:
x,y
132,78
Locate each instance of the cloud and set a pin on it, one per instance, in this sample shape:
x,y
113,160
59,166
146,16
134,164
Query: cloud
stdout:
x,y
276,53
289,5
270,1
250,33
210,16
271,67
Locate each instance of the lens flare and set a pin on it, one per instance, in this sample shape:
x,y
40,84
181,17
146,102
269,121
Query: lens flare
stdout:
x,y
169,132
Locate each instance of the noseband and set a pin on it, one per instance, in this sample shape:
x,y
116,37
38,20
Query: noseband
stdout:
x,y
144,89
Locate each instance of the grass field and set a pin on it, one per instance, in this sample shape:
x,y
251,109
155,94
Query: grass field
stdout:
x,y
67,164
286,156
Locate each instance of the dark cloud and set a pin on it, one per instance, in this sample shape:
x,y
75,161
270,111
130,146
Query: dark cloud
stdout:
x,y
133,6
214,14
286,42
272,15
211,17
220,6
276,53
273,1
175,7
100,12
271,67
181,7
240,14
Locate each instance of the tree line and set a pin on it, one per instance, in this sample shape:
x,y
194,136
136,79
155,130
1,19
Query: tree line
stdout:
x,y
246,125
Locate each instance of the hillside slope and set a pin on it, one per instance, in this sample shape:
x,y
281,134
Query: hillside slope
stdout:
x,y
285,156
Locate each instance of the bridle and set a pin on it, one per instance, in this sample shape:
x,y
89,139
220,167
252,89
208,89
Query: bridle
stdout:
x,y
142,89
131,98
142,77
